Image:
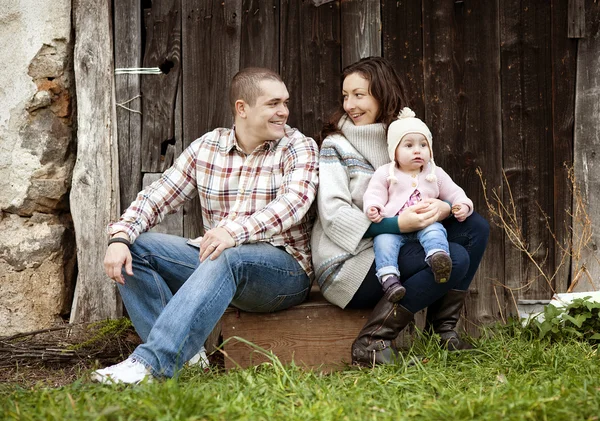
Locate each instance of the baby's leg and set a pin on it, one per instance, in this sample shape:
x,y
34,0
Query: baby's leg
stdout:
x,y
387,247
435,243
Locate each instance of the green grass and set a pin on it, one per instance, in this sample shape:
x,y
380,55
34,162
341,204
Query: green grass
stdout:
x,y
510,376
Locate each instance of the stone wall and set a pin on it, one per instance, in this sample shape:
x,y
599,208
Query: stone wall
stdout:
x,y
37,154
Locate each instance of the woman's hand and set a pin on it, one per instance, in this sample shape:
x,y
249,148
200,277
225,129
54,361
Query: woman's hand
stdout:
x,y
423,214
442,207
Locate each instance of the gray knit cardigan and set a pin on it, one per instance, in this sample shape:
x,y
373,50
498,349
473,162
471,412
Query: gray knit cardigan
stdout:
x,y
341,256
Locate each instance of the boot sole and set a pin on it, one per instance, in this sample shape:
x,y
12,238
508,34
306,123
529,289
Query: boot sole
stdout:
x,y
395,294
441,266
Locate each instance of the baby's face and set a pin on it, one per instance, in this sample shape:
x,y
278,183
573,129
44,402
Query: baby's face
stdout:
x,y
413,152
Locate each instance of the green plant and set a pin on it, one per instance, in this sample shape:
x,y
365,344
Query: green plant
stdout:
x,y
104,329
580,319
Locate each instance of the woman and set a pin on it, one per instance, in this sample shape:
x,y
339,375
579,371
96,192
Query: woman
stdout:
x,y
354,145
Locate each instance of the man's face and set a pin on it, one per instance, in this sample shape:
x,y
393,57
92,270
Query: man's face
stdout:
x,y
265,120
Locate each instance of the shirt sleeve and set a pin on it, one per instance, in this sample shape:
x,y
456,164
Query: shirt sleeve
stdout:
x,y
293,200
164,196
385,226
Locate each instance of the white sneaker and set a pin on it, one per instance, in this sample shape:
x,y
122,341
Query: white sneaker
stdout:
x,y
130,371
200,359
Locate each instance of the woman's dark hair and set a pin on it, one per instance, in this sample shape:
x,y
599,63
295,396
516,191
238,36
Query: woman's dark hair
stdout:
x,y
384,84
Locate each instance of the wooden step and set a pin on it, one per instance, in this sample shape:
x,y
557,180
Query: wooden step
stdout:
x,y
315,334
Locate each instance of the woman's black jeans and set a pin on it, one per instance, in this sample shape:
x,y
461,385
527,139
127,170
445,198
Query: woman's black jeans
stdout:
x,y
467,240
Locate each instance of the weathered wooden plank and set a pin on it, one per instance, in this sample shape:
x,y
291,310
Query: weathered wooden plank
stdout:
x,y
478,105
525,30
310,54
462,97
171,224
575,17
173,150
211,47
94,193
361,30
587,141
260,34
403,46
159,92
564,69
128,53
313,334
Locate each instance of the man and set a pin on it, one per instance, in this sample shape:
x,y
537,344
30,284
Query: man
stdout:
x,y
256,183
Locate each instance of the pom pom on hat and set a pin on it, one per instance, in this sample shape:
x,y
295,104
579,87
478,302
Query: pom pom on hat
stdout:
x,y
406,123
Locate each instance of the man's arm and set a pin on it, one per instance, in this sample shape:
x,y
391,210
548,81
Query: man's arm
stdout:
x,y
294,197
162,197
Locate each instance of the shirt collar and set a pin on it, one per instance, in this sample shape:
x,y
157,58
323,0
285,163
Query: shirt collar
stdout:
x,y
230,142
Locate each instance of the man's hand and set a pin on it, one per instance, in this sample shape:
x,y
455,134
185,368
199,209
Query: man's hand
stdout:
x,y
373,214
117,255
214,242
460,211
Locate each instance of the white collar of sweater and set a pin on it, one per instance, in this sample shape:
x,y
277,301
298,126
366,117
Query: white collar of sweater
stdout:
x,y
370,140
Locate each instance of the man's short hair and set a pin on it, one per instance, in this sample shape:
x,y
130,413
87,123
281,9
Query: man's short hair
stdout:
x,y
245,84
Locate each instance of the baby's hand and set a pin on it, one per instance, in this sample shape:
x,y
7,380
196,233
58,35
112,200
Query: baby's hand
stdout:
x,y
460,212
374,215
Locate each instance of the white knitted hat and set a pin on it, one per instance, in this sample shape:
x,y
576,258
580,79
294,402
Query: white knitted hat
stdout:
x,y
405,124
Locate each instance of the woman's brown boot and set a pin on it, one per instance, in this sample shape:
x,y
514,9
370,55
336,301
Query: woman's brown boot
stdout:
x,y
443,316
374,342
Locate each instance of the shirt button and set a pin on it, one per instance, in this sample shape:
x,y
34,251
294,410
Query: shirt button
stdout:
x,y
242,191
233,214
414,175
414,184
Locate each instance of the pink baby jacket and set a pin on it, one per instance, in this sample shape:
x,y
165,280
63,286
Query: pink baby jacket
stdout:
x,y
389,198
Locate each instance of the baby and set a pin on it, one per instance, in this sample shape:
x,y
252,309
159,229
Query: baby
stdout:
x,y
412,176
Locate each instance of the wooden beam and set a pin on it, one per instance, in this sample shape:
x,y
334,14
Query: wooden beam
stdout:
x,y
564,70
95,189
587,143
403,46
259,43
310,61
128,53
526,77
159,92
576,19
361,30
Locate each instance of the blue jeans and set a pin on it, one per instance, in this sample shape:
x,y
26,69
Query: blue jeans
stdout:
x,y
174,301
467,241
387,247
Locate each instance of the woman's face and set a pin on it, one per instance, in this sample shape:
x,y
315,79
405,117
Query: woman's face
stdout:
x,y
359,104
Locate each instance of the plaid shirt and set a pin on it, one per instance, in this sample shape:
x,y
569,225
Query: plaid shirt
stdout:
x,y
261,196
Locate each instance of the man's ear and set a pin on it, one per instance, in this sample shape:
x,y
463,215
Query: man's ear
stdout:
x,y
240,108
